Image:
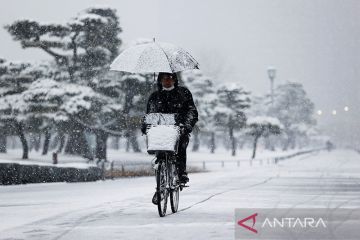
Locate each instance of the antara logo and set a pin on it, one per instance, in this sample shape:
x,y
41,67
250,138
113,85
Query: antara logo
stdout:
x,y
307,222
253,217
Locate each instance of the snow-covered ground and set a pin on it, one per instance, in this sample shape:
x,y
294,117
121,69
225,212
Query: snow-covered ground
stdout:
x,y
122,209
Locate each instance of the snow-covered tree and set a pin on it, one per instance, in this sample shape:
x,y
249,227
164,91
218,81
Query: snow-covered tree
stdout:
x,y
82,48
131,92
127,92
62,103
35,123
294,109
260,107
262,126
204,94
14,80
3,128
229,112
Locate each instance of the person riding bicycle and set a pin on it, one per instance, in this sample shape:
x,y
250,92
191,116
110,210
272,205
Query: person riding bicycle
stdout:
x,y
171,98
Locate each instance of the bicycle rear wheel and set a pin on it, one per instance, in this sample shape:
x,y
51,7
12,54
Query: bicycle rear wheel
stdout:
x,y
161,191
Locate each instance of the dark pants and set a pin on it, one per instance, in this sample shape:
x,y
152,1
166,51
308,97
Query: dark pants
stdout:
x,y
181,155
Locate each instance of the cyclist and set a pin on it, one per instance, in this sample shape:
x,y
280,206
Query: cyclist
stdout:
x,y
171,98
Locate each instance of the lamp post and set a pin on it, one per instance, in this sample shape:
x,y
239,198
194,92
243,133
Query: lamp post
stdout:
x,y
272,74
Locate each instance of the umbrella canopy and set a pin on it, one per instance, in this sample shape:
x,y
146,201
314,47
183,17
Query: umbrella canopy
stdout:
x,y
154,57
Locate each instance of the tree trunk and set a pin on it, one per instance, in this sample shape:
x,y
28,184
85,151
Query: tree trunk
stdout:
x,y
233,141
46,141
101,139
196,144
212,143
20,132
77,143
255,145
62,142
127,143
2,143
134,142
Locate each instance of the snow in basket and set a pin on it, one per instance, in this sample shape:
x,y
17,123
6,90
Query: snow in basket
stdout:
x,y
162,138
160,119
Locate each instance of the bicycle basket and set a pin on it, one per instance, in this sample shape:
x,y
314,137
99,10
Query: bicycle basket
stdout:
x,y
162,138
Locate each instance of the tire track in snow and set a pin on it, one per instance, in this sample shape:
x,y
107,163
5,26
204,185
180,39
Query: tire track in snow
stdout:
x,y
237,189
226,191
76,224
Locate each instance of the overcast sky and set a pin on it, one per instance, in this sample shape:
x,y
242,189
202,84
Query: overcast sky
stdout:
x,y
315,42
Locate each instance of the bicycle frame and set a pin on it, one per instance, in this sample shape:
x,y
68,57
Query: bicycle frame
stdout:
x,y
170,161
166,169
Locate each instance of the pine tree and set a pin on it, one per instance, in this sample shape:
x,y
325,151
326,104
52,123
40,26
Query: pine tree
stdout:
x,y
262,126
14,80
233,100
204,95
293,108
82,49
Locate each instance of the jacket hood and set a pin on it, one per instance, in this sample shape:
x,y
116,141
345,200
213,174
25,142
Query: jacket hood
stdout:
x,y
159,85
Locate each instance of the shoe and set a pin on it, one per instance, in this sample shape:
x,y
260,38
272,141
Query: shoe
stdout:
x,y
183,178
154,199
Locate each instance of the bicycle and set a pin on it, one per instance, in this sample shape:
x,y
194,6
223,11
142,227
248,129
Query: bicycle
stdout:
x,y
166,167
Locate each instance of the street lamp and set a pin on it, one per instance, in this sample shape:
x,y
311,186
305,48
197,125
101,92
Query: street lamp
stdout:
x,y
272,74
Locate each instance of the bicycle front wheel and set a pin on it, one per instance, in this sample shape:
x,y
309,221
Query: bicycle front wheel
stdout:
x,y
174,191
161,190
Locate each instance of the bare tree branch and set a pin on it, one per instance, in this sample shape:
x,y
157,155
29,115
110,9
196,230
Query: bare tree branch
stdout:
x,y
45,45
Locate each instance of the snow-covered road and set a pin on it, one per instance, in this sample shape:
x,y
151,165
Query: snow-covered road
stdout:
x,y
122,209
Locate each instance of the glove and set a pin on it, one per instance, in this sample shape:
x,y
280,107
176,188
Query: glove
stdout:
x,y
144,127
187,128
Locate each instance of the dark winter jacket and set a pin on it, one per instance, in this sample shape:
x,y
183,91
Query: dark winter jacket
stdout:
x,y
179,101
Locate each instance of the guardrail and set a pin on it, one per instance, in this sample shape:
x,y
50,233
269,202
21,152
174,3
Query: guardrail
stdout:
x,y
126,166
277,159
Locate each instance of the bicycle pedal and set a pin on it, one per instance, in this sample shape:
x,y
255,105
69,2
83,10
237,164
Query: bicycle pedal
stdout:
x,y
183,186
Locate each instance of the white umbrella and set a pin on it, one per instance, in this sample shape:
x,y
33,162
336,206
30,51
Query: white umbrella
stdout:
x,y
154,57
